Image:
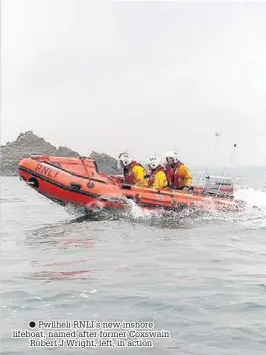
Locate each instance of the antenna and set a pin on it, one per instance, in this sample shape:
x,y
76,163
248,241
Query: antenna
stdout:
x,y
216,134
226,168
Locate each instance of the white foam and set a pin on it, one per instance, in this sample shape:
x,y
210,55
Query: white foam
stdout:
x,y
252,197
137,211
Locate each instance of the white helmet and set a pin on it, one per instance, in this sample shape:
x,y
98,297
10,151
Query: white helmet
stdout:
x,y
125,159
154,161
172,154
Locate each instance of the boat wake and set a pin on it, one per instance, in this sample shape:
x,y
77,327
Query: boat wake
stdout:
x,y
254,217
252,197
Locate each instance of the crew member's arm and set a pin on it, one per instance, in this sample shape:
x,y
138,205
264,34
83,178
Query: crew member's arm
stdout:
x,y
186,175
139,176
160,181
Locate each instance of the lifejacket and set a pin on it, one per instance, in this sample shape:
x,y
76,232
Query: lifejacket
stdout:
x,y
177,178
170,172
174,179
128,173
153,174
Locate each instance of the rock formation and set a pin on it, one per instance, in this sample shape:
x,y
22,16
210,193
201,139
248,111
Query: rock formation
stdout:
x,y
105,163
28,143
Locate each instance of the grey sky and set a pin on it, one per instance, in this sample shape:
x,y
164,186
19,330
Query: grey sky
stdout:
x,y
146,77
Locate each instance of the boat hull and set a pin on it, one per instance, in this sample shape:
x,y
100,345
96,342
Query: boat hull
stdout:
x,y
76,181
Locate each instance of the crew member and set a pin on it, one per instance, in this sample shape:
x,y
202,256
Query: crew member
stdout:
x,y
178,175
134,173
157,179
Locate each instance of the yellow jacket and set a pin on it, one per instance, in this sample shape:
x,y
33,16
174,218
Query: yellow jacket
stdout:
x,y
139,174
158,180
184,176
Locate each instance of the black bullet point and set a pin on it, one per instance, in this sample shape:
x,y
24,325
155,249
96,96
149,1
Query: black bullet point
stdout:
x,y
32,324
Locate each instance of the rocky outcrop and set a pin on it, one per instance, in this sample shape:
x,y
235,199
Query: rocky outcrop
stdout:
x,y
105,163
28,143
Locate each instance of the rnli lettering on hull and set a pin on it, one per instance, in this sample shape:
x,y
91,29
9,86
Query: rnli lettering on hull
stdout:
x,y
44,170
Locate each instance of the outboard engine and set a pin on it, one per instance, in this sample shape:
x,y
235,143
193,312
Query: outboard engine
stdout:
x,y
219,186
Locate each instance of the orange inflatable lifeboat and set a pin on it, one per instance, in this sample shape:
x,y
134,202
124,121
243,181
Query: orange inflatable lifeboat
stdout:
x,y
77,181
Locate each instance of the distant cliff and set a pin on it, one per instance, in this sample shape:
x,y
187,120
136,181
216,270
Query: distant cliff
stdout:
x,y
28,143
